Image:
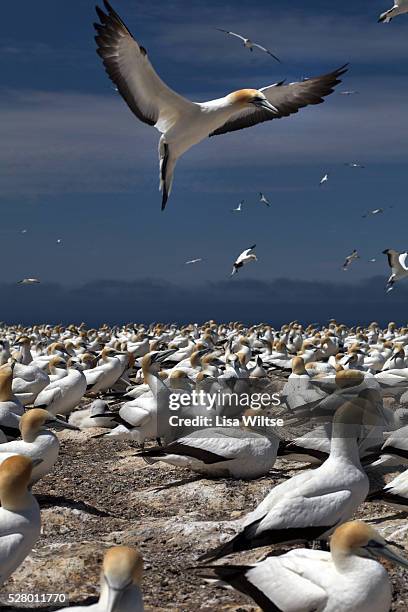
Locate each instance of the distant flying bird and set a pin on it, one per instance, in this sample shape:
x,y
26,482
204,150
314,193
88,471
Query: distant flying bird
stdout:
x,y
239,207
400,7
346,92
350,258
245,258
24,231
354,165
373,260
376,211
59,241
29,281
264,199
324,179
398,263
184,123
248,44
193,261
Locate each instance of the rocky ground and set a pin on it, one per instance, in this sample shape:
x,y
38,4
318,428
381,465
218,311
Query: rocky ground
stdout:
x,y
99,495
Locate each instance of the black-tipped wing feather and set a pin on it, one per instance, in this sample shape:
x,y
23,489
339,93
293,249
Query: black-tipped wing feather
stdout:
x,y
128,66
288,99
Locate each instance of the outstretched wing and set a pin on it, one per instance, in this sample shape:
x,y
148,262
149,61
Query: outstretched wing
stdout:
x,y
266,51
231,34
128,66
288,99
245,254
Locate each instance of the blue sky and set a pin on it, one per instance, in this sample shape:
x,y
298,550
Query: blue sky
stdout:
x,y
76,165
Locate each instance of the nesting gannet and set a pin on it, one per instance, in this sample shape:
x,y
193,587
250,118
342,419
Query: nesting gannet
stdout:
x,y
106,373
400,7
349,578
243,259
239,207
399,267
28,381
64,394
28,281
350,258
395,449
121,577
248,44
312,504
324,179
193,261
37,442
10,408
263,199
228,452
93,416
146,417
20,519
182,122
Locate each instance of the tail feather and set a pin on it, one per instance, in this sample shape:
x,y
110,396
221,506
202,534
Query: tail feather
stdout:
x,y
167,165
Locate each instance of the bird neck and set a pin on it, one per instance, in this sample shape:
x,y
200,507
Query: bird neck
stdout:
x,y
344,444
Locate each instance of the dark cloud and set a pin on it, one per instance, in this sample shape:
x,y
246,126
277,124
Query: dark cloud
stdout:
x,y
251,301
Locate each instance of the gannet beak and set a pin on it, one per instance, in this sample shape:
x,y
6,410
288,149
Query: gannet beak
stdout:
x,y
160,357
266,105
378,549
115,596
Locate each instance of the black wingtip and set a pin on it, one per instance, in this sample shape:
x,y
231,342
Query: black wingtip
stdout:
x,y
164,199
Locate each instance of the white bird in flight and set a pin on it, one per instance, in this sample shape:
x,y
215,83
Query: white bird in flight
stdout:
x,y
181,122
248,44
348,92
324,179
376,211
350,258
400,7
28,281
239,207
398,263
263,199
245,257
193,261
354,165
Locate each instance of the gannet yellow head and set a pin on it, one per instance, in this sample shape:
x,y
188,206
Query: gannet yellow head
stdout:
x,y
56,362
32,422
298,366
251,97
358,538
348,378
122,569
15,475
6,380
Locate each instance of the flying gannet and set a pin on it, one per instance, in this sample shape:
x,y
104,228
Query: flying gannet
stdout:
x,y
245,257
399,267
248,44
181,122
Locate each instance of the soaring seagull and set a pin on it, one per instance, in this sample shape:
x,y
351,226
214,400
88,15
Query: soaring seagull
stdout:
x,y
181,122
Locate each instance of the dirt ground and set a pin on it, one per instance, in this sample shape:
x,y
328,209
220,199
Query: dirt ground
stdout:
x,y
99,495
